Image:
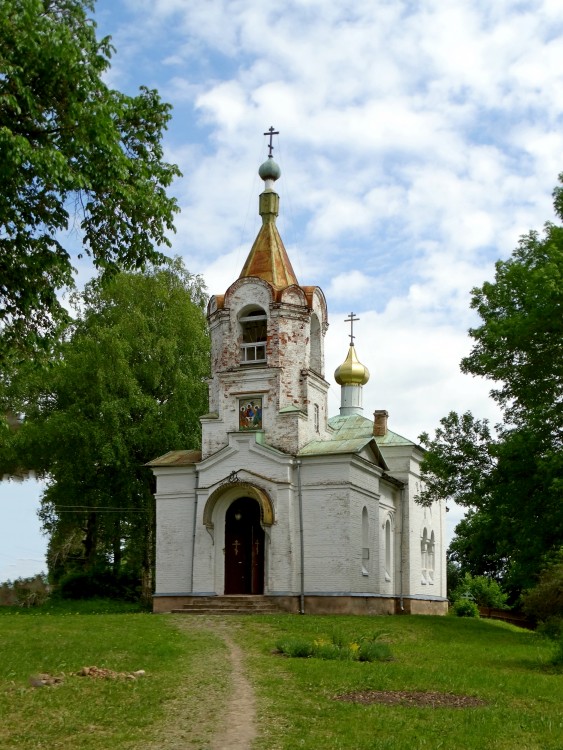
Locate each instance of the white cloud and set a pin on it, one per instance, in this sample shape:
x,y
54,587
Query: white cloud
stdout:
x,y
226,104
350,286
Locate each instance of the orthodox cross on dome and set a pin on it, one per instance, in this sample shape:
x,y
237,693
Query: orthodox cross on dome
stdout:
x,y
351,319
271,132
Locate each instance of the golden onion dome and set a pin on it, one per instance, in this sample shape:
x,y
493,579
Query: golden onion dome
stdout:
x,y
351,371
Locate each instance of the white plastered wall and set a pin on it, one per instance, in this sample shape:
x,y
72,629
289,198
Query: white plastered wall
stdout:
x,y
175,498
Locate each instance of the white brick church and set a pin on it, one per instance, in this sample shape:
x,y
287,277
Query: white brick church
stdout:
x,y
308,513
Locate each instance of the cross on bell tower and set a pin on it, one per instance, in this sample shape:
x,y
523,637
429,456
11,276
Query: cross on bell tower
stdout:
x,y
271,132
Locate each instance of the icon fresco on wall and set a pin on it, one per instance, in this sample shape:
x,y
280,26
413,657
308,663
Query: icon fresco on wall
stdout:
x,y
250,414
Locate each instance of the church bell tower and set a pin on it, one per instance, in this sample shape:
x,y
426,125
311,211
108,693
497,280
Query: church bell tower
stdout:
x,y
267,345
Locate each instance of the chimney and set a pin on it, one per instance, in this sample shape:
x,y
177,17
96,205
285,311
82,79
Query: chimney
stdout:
x,y
380,422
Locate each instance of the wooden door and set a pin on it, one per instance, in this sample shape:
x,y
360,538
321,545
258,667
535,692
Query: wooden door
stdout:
x,y
244,548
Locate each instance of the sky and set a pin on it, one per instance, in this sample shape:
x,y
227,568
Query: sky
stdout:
x,y
417,142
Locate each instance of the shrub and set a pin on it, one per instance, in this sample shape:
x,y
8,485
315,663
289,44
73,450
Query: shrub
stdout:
x,y
484,591
374,651
25,592
295,647
329,651
552,628
466,608
336,648
545,601
488,593
99,582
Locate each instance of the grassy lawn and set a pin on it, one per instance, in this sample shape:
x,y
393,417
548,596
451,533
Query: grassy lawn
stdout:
x,y
180,699
500,664
99,714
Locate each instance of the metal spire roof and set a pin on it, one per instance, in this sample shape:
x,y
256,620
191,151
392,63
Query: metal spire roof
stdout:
x,y
268,258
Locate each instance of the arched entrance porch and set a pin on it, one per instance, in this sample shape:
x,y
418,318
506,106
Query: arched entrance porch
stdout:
x,y
238,515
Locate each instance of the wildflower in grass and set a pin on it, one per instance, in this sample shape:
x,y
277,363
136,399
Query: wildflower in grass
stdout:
x,y
319,642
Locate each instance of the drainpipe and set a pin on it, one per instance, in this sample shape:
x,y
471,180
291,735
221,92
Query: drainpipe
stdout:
x,y
194,529
443,572
302,540
402,537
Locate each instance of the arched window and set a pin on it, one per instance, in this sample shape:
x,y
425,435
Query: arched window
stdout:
x,y
431,558
316,417
365,542
388,551
316,354
253,323
424,558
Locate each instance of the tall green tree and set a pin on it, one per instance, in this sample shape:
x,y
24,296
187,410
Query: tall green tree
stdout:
x,y
75,155
127,384
512,480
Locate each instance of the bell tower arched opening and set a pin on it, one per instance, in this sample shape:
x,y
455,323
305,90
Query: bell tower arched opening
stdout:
x,y
253,322
316,346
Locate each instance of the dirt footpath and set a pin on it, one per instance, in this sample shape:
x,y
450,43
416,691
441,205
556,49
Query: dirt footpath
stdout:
x,y
239,724
214,707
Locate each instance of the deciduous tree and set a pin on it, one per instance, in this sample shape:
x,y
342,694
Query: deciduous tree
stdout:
x,y
511,481
81,164
127,385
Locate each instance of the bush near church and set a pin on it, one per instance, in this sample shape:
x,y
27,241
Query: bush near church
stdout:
x,y
485,592
100,582
544,602
465,608
25,592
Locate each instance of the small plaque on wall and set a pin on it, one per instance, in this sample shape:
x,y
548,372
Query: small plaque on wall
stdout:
x,y
250,414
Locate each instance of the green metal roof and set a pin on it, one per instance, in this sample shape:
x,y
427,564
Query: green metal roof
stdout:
x,y
355,425
352,433
319,447
350,427
392,438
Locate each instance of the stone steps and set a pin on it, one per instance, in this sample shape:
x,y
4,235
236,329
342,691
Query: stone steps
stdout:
x,y
229,605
